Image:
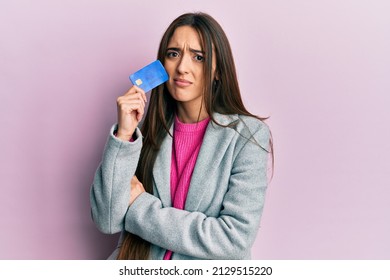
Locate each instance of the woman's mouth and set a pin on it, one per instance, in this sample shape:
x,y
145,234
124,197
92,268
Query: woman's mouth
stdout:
x,y
182,82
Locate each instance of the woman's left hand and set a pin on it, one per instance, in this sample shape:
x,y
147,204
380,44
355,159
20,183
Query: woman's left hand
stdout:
x,y
136,189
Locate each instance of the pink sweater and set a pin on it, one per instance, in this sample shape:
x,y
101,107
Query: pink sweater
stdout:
x,y
187,139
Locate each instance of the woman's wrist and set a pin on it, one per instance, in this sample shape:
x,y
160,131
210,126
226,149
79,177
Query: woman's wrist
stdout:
x,y
125,137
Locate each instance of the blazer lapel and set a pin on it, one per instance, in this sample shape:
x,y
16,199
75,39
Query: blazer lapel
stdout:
x,y
162,171
216,141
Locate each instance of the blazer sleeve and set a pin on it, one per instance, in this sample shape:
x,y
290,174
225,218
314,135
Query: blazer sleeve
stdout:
x,y
110,191
228,236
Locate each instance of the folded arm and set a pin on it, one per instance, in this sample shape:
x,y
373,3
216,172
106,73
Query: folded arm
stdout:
x,y
110,191
228,236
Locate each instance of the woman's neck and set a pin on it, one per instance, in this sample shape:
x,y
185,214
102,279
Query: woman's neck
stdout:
x,y
186,115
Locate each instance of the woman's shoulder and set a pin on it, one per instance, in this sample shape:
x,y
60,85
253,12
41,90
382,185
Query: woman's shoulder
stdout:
x,y
241,122
250,127
252,123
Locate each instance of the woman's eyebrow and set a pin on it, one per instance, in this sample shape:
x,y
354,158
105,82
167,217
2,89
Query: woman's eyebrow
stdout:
x,y
197,51
173,49
191,50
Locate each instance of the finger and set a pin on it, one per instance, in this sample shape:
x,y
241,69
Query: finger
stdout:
x,y
139,116
138,89
130,98
124,102
142,93
134,90
137,106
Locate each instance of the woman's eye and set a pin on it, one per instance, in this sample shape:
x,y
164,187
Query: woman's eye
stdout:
x,y
172,54
199,58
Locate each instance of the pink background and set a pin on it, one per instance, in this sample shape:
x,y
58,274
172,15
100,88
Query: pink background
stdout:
x,y
319,69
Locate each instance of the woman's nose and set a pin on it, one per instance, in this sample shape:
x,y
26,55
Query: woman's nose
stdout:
x,y
184,65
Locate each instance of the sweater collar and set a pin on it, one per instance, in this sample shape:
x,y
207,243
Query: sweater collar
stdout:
x,y
190,127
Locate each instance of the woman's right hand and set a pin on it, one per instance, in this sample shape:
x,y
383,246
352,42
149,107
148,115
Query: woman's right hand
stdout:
x,y
136,188
131,108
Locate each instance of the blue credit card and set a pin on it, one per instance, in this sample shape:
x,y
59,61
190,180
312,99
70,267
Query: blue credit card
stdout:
x,y
149,77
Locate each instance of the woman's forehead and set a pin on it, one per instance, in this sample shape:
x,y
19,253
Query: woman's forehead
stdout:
x,y
185,37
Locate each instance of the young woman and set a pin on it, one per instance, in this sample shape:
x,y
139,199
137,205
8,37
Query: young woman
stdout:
x,y
190,182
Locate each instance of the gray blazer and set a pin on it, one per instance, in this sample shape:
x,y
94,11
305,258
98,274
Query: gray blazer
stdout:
x,y
224,203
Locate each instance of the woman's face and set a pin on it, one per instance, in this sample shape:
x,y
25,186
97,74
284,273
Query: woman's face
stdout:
x,y
184,61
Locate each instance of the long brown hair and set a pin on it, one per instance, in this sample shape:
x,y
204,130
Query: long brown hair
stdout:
x,y
221,95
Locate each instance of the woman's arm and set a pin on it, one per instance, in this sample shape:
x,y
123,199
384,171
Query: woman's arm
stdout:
x,y
228,236
110,192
